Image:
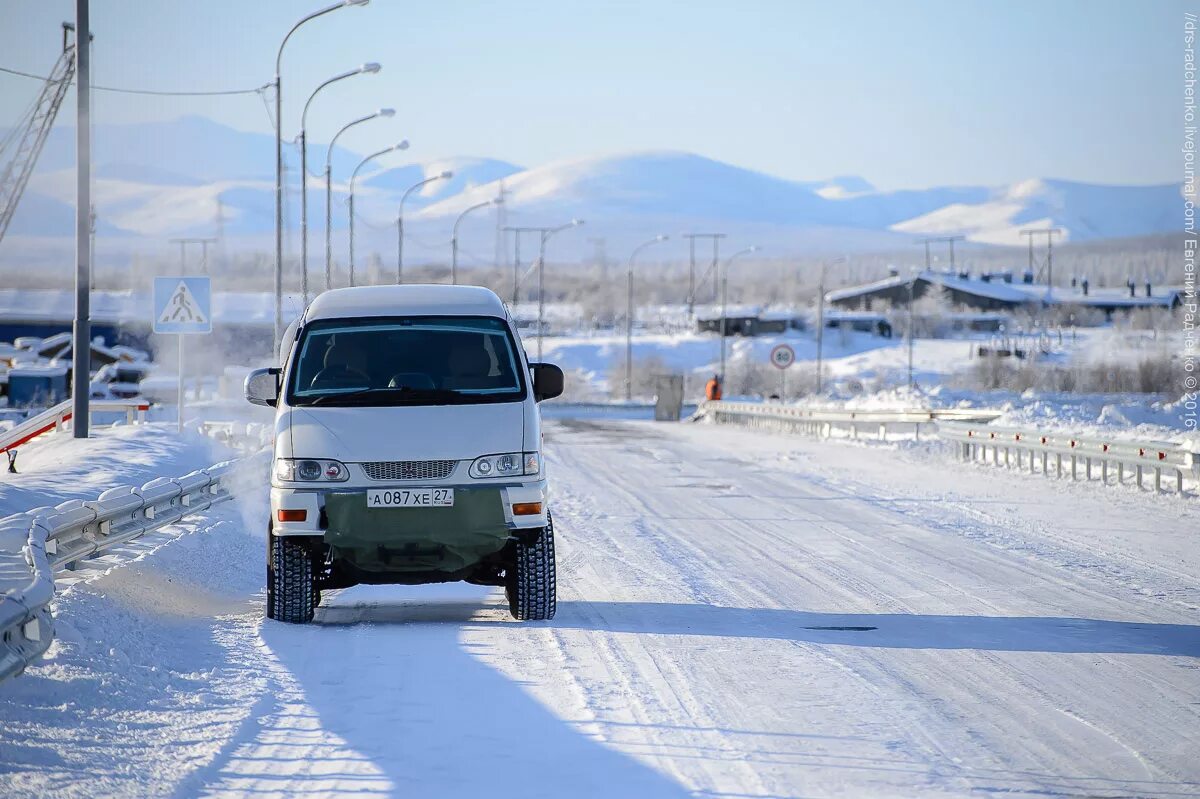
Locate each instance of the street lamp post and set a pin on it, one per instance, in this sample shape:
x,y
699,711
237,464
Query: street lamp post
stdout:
x,y
454,236
629,316
725,302
821,314
365,69
400,220
546,234
716,242
279,160
403,145
517,231
383,112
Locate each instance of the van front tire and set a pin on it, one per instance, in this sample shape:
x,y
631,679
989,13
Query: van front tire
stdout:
x,y
531,584
291,588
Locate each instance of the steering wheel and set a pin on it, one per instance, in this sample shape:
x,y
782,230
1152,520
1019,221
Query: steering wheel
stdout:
x,y
339,375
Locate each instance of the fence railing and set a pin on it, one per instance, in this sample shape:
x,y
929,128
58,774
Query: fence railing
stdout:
x,y
831,422
35,543
1077,457
1111,461
56,418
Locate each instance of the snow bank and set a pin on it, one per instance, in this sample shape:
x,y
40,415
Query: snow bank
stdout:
x,y
57,467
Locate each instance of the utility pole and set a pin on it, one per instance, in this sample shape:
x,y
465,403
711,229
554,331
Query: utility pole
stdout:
x,y
600,256
1049,233
912,282
220,225
81,347
501,249
203,242
821,315
937,239
691,237
544,234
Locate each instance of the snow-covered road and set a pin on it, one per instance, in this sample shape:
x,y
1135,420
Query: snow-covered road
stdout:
x,y
740,615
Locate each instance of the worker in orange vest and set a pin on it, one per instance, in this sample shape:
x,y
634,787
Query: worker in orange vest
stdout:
x,y
712,389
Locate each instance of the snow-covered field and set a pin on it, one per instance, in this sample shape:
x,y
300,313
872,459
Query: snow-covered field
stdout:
x,y
849,354
741,614
868,372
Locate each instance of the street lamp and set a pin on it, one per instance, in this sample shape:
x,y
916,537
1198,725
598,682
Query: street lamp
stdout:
x,y
403,145
912,285
279,160
366,69
383,112
725,300
454,236
517,231
821,314
629,316
546,234
400,221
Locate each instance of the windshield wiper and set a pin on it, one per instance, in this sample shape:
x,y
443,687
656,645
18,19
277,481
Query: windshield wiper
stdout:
x,y
397,395
317,400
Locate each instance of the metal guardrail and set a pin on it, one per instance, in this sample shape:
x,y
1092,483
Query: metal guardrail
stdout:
x,y
35,543
1055,454
826,422
56,418
1061,455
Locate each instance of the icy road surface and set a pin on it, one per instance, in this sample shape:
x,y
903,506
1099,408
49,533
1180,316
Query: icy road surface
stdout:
x,y
740,615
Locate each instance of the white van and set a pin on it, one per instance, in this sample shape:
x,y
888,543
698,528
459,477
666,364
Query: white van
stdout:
x,y
407,449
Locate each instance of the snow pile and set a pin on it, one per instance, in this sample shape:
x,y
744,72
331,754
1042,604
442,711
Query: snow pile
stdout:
x,y
56,467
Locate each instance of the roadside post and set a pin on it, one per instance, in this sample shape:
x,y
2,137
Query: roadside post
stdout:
x,y
183,306
782,356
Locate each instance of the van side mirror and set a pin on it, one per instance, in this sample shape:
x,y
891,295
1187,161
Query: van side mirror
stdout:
x,y
547,381
262,386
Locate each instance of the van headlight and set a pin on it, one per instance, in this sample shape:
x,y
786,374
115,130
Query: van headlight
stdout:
x,y
509,464
303,470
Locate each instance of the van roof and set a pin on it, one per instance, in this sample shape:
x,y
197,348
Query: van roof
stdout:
x,y
406,300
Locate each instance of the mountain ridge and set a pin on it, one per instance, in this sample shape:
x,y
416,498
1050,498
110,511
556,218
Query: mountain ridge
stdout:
x,y
163,179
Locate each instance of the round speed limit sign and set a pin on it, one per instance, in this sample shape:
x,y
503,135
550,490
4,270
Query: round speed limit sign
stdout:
x,y
783,356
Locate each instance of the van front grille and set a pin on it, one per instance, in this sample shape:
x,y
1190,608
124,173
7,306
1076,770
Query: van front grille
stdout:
x,y
409,470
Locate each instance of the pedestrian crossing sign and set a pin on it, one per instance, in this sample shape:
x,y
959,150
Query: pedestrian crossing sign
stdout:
x,y
182,305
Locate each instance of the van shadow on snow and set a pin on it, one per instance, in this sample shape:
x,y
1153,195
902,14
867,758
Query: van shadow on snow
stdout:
x,y
888,630
1049,634
398,686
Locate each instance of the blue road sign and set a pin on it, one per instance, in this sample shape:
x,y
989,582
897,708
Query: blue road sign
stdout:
x,y
182,305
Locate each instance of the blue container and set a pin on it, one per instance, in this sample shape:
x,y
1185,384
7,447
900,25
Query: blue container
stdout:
x,y
36,386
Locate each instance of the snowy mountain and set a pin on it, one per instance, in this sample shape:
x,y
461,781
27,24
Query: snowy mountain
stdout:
x,y
192,176
1082,210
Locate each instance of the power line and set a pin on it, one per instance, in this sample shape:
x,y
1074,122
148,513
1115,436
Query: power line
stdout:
x,y
154,92
22,74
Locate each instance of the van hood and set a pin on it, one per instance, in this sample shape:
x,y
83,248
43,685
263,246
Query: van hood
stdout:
x,y
415,432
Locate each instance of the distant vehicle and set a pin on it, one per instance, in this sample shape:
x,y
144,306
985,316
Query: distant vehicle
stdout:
x,y
407,449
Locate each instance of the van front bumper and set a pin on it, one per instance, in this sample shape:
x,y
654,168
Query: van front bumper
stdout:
x,y
312,503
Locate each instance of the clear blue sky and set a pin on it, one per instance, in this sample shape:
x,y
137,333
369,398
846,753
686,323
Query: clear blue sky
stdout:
x,y
906,94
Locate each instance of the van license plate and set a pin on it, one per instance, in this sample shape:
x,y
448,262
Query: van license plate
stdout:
x,y
410,498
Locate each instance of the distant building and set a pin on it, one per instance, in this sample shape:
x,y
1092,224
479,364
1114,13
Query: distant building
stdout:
x,y
999,292
873,323
754,321
751,320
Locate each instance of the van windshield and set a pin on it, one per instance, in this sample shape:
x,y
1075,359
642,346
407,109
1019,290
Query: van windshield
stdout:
x,y
419,360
